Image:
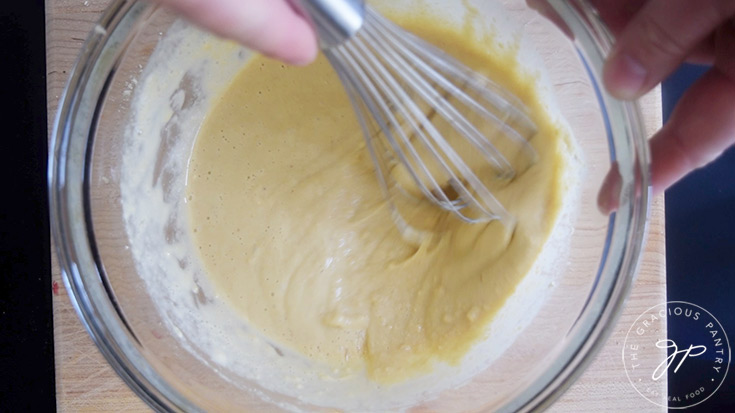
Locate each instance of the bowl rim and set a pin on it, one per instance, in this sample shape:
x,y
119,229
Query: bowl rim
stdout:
x,y
84,277
615,277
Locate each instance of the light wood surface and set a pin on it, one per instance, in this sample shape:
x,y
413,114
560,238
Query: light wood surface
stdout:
x,y
85,382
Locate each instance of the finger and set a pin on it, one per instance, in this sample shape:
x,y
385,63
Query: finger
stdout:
x,y
544,8
608,198
269,26
657,40
724,45
702,125
704,52
617,13
700,129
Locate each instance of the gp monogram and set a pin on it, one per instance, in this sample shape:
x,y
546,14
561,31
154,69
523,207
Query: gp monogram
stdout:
x,y
697,354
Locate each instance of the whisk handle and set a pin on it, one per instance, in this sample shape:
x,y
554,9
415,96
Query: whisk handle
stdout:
x,y
334,20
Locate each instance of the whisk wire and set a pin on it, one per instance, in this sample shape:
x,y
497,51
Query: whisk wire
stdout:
x,y
440,59
427,118
357,62
389,89
357,94
427,92
510,107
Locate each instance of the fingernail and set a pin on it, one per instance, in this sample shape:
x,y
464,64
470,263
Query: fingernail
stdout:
x,y
625,76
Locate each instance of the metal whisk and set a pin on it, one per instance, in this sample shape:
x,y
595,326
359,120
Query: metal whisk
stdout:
x,y
434,127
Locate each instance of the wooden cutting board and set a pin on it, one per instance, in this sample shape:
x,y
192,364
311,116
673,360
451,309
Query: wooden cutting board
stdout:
x,y
85,382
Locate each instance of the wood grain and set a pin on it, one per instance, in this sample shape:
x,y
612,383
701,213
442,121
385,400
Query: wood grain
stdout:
x,y
85,382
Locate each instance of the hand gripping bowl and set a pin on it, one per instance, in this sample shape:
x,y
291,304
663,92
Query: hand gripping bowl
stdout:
x,y
133,320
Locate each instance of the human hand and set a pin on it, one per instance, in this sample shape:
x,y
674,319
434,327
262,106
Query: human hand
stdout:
x,y
654,37
269,26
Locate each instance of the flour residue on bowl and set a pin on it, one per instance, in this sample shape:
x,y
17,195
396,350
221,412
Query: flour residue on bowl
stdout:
x,y
226,300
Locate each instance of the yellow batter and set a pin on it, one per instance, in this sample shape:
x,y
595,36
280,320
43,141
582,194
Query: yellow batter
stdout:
x,y
294,231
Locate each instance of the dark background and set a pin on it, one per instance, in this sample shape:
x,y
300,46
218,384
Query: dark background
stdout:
x,y
700,225
700,246
26,336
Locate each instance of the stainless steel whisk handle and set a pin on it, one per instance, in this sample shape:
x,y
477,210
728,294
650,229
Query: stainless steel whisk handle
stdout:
x,y
334,20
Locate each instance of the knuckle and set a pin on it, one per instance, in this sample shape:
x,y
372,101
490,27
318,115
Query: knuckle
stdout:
x,y
677,143
658,39
690,154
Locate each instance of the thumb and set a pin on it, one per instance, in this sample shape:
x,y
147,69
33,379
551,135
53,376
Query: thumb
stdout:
x,y
660,36
270,26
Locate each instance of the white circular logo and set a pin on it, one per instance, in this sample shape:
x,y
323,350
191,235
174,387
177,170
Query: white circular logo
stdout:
x,y
697,354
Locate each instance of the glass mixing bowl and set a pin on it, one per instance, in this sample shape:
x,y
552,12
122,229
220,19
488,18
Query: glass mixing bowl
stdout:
x,y
583,294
